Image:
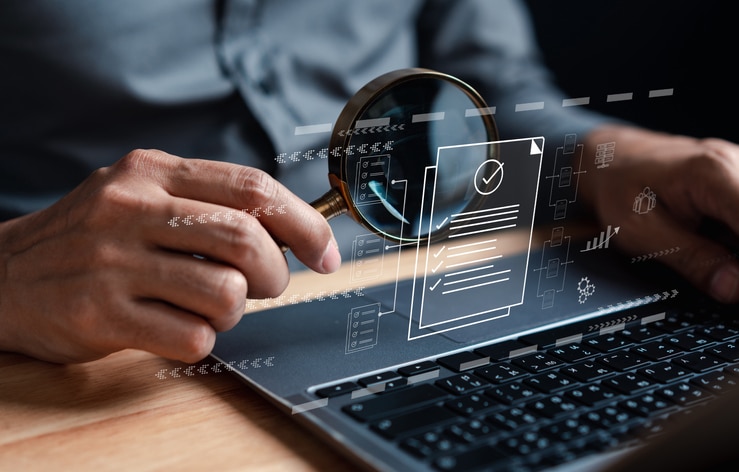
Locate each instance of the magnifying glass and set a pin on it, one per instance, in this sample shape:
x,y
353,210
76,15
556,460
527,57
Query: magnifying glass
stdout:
x,y
383,154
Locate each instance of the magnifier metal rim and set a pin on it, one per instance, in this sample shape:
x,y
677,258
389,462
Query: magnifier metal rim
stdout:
x,y
355,109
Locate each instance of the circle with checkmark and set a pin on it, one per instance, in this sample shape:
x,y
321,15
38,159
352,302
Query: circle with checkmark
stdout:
x,y
488,176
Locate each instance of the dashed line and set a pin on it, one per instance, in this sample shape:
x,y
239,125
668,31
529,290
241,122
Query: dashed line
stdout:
x,y
653,318
313,129
661,93
619,97
523,350
479,111
529,106
421,117
576,102
303,407
575,338
372,122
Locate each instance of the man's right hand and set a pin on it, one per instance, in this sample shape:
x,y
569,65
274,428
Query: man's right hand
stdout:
x,y
108,268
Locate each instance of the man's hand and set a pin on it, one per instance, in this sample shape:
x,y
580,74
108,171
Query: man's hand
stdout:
x,y
692,180
102,270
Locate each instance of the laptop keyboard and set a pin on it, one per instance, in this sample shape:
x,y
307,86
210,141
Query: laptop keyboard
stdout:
x,y
519,406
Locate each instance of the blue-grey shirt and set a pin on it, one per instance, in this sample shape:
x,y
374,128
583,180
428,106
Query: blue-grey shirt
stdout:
x,y
85,81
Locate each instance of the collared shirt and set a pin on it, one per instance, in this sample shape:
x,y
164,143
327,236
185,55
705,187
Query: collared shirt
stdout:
x,y
86,81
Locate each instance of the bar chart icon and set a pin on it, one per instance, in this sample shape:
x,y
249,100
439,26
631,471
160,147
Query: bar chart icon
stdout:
x,y
602,241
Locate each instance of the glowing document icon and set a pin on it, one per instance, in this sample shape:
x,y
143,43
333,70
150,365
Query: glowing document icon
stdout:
x,y
474,275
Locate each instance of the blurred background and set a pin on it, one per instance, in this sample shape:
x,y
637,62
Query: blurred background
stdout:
x,y
641,45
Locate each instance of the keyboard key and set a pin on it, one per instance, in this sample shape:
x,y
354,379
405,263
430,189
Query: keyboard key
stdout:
x,y
470,431
336,390
376,379
698,361
472,404
537,362
641,334
462,361
573,352
526,443
552,406
657,350
390,403
424,419
608,342
622,360
392,385
719,332
673,324
664,372
727,351
647,405
689,341
427,444
610,417
512,418
470,459
461,383
419,368
715,382
684,394
549,382
512,392
592,395
499,373
568,429
586,371
628,383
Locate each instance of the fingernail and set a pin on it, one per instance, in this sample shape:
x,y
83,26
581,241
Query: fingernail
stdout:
x,y
724,284
331,257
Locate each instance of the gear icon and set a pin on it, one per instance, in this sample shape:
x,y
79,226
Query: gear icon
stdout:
x,y
585,289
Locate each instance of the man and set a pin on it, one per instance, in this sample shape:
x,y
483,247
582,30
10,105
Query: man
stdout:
x,y
88,263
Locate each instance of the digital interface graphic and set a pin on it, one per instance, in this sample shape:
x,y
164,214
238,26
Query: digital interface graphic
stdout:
x,y
469,279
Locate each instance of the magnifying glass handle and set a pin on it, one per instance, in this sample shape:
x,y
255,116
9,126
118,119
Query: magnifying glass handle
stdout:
x,y
330,204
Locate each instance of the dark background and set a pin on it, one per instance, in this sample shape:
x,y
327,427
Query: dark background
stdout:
x,y
597,48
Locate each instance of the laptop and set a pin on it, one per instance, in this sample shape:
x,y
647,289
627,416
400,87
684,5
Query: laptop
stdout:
x,y
529,343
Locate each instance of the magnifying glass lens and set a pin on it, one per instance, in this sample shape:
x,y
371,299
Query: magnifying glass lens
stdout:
x,y
384,151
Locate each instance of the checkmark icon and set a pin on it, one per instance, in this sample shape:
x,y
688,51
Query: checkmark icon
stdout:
x,y
440,251
442,223
498,169
435,285
437,267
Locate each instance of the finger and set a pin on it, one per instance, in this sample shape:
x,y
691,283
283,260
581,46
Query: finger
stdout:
x,y
164,330
706,264
222,234
212,290
714,181
285,216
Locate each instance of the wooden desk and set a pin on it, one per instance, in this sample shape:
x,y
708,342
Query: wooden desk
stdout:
x,y
118,414
128,412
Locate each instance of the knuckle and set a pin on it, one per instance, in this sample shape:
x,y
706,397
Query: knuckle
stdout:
x,y
241,234
715,158
138,161
254,186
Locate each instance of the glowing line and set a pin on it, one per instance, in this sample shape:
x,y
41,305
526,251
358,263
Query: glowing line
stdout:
x,y
475,286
